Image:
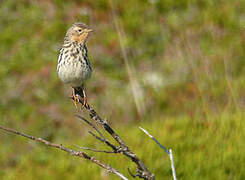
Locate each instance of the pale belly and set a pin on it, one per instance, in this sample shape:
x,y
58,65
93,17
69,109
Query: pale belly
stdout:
x,y
75,73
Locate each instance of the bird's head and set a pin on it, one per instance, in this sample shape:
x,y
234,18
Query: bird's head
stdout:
x,y
78,33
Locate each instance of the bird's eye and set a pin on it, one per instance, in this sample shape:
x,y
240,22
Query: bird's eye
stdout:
x,y
79,30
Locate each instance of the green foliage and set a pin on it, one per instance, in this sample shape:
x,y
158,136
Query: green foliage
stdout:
x,y
187,56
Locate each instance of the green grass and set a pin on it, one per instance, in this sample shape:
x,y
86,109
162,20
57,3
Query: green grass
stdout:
x,y
208,150
187,57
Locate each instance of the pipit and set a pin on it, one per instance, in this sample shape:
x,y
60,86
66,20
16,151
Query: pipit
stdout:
x,y
73,65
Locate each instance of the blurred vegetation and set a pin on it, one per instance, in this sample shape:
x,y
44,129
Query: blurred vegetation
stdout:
x,y
187,56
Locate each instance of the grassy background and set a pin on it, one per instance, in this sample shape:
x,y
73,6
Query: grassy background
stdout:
x,y
187,61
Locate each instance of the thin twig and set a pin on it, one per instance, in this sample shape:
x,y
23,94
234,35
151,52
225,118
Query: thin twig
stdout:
x,y
131,174
96,137
91,124
70,151
95,150
146,132
104,140
102,137
170,153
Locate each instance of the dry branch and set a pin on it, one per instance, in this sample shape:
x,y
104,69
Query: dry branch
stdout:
x,y
142,170
121,148
70,151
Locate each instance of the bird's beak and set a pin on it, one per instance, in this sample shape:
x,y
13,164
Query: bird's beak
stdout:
x,y
89,30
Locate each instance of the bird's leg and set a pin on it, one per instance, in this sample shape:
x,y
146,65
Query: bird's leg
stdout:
x,y
75,98
84,97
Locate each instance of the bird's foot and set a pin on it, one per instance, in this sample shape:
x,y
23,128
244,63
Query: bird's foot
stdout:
x,y
85,100
75,98
79,98
76,101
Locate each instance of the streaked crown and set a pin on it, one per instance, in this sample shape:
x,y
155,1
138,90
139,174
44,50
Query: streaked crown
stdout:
x,y
78,33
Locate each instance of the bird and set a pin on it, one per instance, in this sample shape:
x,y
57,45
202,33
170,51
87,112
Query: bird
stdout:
x,y
73,66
